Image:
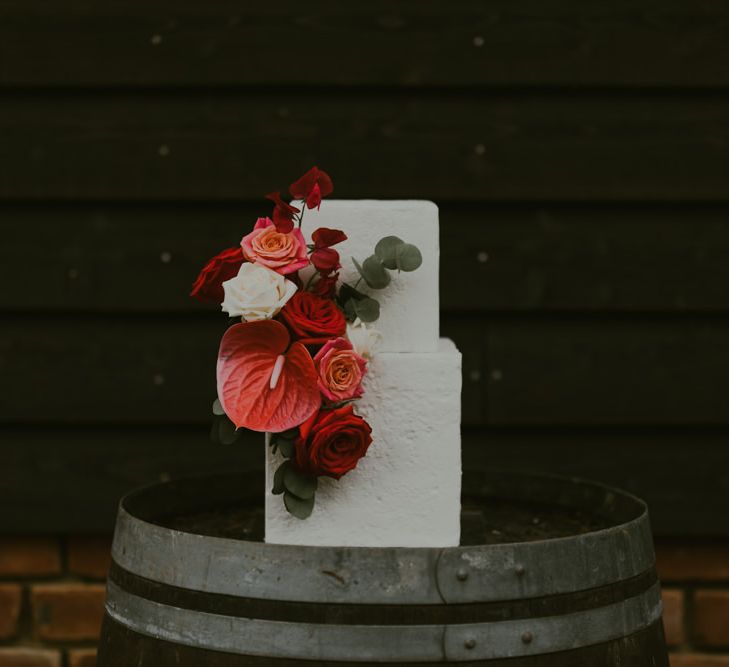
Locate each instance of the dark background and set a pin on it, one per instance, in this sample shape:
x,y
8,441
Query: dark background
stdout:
x,y
579,153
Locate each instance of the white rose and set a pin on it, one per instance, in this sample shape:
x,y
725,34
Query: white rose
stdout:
x,y
364,339
256,293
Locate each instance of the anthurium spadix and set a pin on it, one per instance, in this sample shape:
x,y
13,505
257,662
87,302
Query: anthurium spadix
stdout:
x,y
264,383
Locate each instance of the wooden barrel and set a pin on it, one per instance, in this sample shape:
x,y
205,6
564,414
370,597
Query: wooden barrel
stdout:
x,y
550,572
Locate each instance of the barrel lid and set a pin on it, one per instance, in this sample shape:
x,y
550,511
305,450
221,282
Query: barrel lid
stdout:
x,y
147,544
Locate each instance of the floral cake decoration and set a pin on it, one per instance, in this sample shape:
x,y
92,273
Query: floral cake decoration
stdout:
x,y
297,349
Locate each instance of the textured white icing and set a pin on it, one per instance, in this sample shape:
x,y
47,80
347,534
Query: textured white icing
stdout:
x,y
406,491
409,305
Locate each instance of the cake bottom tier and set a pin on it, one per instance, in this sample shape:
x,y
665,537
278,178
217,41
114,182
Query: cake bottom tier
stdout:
x,y
407,490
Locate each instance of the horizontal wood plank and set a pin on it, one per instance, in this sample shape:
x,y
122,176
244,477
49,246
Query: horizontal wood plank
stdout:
x,y
235,146
526,258
631,370
575,371
381,42
70,480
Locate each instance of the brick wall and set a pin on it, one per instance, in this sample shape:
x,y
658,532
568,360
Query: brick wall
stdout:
x,y
52,593
51,600
695,581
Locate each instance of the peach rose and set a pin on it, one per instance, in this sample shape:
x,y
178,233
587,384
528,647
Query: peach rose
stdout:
x,y
281,252
340,370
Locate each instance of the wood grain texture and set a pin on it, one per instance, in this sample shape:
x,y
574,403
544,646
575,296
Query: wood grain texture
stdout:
x,y
204,145
517,371
70,479
524,258
383,42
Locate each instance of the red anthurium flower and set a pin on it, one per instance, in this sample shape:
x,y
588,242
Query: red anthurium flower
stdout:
x,y
263,384
283,213
312,187
208,286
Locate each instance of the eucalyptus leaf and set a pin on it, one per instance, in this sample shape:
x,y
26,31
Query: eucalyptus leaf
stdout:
x,y
350,309
286,447
347,292
367,309
218,408
375,275
358,266
299,507
386,251
300,483
408,257
227,433
278,478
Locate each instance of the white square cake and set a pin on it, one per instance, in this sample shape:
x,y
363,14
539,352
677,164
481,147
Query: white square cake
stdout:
x,y
407,490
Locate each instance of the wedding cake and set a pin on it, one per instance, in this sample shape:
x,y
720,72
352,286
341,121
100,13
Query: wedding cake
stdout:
x,y
335,355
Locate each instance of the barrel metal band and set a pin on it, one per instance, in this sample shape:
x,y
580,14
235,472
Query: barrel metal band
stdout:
x,y
395,643
362,575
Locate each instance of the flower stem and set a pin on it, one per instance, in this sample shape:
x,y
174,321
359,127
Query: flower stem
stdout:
x,y
311,280
301,215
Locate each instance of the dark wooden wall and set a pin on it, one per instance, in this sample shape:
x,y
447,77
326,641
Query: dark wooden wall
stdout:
x,y
579,152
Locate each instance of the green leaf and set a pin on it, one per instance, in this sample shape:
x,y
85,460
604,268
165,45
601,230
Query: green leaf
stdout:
x,y
278,478
358,266
347,292
227,433
301,484
368,310
375,275
299,507
218,408
408,257
286,447
386,251
350,309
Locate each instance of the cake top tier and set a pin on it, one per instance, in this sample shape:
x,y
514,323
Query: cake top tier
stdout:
x,y
409,305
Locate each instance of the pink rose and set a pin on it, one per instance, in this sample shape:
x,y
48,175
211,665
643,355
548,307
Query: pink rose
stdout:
x,y
283,252
340,370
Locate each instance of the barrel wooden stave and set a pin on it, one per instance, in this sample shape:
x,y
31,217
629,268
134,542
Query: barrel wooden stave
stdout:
x,y
174,596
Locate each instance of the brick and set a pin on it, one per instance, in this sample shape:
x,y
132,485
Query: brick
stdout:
x,y
89,556
692,562
83,657
11,597
65,612
29,556
711,617
673,615
29,657
698,660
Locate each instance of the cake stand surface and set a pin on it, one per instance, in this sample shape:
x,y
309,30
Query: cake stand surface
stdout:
x,y
551,572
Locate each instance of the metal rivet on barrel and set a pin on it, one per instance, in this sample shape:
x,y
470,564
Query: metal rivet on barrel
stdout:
x,y
462,575
470,643
527,637
520,570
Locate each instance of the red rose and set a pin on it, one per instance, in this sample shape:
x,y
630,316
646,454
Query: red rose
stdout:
x,y
312,187
283,213
313,319
209,284
332,442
